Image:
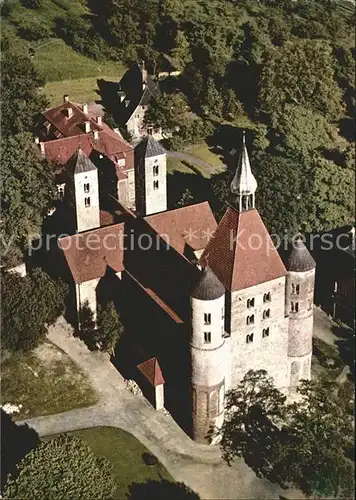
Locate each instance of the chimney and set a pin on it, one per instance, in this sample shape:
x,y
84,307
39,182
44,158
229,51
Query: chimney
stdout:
x,y
127,102
96,134
66,98
42,148
69,112
85,109
99,120
37,140
87,126
121,95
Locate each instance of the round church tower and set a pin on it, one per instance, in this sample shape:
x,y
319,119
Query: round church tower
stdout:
x,y
207,355
299,307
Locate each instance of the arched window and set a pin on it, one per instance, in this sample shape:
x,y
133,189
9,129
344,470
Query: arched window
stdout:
x,y
267,297
250,319
87,202
266,313
250,303
86,187
297,287
207,337
249,338
155,169
293,288
207,319
265,333
155,184
294,306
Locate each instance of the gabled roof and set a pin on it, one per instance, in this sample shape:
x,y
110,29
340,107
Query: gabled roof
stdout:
x,y
299,259
151,90
152,371
61,150
208,286
89,254
149,147
241,253
193,225
73,125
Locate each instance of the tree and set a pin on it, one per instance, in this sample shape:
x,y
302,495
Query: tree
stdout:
x,y
186,198
110,327
27,191
212,102
181,52
29,304
300,73
303,444
321,430
61,468
20,99
300,131
255,411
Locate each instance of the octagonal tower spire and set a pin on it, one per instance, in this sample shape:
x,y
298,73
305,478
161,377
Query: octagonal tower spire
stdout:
x,y
244,184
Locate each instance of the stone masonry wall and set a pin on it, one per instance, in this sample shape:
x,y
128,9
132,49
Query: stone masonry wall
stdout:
x,y
86,292
268,352
155,197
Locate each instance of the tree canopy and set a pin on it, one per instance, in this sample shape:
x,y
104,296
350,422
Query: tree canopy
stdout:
x,y
29,304
61,468
303,444
27,191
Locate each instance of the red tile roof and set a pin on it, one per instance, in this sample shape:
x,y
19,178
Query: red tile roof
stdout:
x,y
107,218
89,254
61,150
193,225
69,126
152,371
241,253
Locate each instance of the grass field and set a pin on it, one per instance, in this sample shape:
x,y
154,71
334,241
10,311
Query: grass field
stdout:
x,y
124,452
44,382
204,153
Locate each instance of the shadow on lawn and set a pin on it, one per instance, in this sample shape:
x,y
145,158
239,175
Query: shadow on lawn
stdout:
x,y
16,442
161,490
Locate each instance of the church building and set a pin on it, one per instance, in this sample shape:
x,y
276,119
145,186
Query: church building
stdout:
x,y
206,301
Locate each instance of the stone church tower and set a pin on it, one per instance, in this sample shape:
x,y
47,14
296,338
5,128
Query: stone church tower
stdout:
x,y
299,307
86,193
208,355
151,177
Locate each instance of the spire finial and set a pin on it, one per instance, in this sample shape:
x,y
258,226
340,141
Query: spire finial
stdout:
x,y
244,184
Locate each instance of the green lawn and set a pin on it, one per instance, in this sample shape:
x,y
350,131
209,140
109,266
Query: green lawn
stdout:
x,y
204,153
124,451
44,382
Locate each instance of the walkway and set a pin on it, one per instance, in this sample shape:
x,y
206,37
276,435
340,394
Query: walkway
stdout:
x,y
199,466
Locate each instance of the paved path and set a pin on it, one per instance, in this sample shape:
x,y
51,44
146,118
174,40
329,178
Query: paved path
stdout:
x,y
199,466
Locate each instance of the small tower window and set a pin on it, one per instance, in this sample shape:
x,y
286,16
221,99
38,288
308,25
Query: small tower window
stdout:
x,y
265,333
222,313
249,338
297,289
266,313
267,297
310,305
207,337
294,306
87,201
155,169
250,303
250,319
155,184
207,319
86,187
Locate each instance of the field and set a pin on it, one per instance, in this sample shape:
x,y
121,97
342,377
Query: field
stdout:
x,y
44,382
124,452
190,166
64,70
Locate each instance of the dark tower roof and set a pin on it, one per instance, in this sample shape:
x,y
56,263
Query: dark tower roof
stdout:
x,y
208,287
80,163
299,259
149,147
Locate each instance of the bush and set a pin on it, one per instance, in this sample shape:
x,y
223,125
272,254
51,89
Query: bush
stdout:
x,y
33,29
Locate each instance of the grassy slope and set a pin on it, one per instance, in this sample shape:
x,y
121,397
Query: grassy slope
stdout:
x,y
65,70
124,451
45,382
